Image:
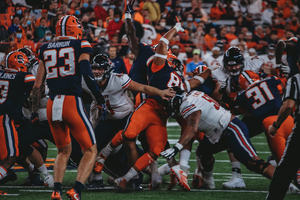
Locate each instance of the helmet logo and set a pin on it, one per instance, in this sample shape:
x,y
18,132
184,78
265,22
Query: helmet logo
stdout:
x,y
20,59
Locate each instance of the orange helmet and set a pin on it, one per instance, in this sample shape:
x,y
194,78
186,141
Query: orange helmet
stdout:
x,y
247,78
68,27
16,61
200,69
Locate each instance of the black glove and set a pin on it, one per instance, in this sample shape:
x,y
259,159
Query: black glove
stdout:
x,y
129,7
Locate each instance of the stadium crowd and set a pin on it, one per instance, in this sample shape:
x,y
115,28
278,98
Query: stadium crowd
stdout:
x,y
218,47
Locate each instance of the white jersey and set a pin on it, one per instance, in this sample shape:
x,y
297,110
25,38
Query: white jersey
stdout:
x,y
251,63
42,111
213,63
118,104
214,118
269,63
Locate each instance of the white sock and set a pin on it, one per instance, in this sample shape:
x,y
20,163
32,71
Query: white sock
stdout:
x,y
130,174
207,174
98,177
236,165
30,168
43,170
106,151
184,157
3,172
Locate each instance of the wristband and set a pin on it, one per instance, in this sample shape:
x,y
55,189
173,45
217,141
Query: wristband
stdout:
x,y
164,40
274,124
283,43
160,55
178,146
199,78
127,16
188,86
278,66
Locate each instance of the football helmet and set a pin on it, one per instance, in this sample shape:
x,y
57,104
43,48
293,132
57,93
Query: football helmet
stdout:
x,y
200,69
101,61
233,61
247,78
30,55
16,61
175,64
69,27
173,105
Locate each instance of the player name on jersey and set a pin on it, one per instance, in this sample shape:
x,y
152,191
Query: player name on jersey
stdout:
x,y
7,76
58,44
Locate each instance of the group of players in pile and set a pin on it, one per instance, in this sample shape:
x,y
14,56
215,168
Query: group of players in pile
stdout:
x,y
205,107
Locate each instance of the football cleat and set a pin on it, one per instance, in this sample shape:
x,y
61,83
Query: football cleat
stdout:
x,y
56,195
2,193
234,183
297,179
164,169
73,195
120,184
10,176
181,177
99,164
96,184
208,181
293,189
173,181
197,179
49,181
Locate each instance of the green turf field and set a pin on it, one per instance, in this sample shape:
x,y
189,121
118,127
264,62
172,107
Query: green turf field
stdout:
x,y
256,185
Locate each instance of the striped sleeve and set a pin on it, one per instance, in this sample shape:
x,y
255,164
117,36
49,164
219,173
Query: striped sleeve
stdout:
x,y
126,81
186,111
292,88
86,47
29,78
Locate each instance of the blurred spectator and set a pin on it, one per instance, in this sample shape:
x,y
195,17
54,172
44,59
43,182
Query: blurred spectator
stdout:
x,y
45,16
194,10
198,38
86,7
267,15
118,63
176,13
231,35
289,35
128,61
259,36
250,43
72,6
214,60
3,33
154,10
99,28
211,38
39,32
274,38
191,66
14,26
149,31
244,30
87,32
230,14
239,41
279,27
222,35
28,40
295,24
64,9
167,11
175,49
252,52
19,12
161,26
110,17
239,24
188,44
19,39
213,24
53,6
77,13
47,37
286,6
24,26
115,25
204,16
249,23
189,23
217,10
100,12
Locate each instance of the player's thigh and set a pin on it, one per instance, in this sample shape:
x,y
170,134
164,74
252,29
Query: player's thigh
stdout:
x,y
8,138
157,138
207,148
78,122
253,125
59,130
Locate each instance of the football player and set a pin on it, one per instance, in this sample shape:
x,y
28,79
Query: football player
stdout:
x,y
164,71
16,84
63,64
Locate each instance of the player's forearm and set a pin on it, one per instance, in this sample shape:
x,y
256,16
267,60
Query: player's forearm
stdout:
x,y
151,91
279,51
199,78
36,97
132,40
188,135
284,112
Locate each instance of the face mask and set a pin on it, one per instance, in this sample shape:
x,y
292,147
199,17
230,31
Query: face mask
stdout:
x,y
117,20
48,38
271,54
190,19
24,25
16,25
28,22
197,20
77,12
294,22
28,37
19,35
162,24
147,21
214,23
99,4
270,9
85,5
112,6
168,8
19,12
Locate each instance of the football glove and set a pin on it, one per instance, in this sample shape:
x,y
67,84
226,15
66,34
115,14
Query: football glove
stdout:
x,y
223,86
34,118
103,111
179,28
129,6
286,70
171,152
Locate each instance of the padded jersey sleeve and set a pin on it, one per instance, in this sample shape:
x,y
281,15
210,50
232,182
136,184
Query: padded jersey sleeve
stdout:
x,y
86,47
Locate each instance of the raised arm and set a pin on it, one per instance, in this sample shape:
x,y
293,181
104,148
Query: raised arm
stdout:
x,y
37,89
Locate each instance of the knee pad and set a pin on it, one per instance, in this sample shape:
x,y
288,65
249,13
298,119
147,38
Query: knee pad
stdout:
x,y
129,135
258,166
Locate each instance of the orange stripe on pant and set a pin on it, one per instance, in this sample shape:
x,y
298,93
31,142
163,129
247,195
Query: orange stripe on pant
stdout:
x,y
277,144
8,138
74,120
151,117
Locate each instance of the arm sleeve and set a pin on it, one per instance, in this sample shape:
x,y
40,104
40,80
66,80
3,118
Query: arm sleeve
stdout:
x,y
291,90
89,78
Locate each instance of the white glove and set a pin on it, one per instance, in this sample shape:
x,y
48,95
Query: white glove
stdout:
x,y
171,152
178,27
223,86
286,70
